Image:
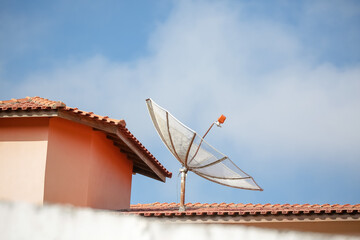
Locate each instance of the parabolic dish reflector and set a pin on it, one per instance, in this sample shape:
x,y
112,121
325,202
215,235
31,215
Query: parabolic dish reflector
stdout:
x,y
195,154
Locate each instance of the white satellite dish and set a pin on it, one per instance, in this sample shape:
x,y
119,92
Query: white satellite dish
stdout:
x,y
195,154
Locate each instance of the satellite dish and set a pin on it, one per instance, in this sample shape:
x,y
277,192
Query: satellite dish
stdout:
x,y
195,154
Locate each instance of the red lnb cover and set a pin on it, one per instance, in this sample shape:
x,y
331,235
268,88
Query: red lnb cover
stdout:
x,y
221,119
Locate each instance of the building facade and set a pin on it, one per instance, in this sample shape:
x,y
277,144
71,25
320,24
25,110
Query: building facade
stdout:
x,y
56,154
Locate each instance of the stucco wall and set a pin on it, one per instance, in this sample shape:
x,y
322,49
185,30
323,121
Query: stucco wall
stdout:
x,y
110,175
60,161
23,146
24,221
84,168
67,166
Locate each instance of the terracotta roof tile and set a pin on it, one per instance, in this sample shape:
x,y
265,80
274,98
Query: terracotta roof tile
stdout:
x,y
38,103
172,209
30,103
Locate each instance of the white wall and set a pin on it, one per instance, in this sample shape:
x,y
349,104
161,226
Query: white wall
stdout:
x,y
26,221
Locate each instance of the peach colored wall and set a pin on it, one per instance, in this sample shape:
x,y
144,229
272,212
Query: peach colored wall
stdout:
x,y
110,175
67,166
84,168
24,129
23,146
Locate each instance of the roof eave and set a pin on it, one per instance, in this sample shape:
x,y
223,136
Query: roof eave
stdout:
x,y
29,113
141,155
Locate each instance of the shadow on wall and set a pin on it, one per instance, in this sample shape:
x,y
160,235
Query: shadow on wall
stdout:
x,y
26,221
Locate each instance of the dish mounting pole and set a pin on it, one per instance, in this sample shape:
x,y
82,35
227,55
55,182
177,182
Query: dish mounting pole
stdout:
x,y
183,171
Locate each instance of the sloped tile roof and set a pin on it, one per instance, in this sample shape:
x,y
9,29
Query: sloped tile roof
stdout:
x,y
231,209
30,103
38,103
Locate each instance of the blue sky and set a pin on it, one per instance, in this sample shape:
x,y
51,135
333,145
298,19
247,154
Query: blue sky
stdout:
x,y
286,74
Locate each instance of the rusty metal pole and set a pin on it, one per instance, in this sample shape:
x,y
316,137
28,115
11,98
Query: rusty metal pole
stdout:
x,y
183,171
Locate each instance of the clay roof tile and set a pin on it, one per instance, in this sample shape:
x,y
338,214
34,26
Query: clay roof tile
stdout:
x,y
198,209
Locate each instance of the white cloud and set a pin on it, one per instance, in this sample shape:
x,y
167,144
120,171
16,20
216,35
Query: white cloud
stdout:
x,y
206,60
